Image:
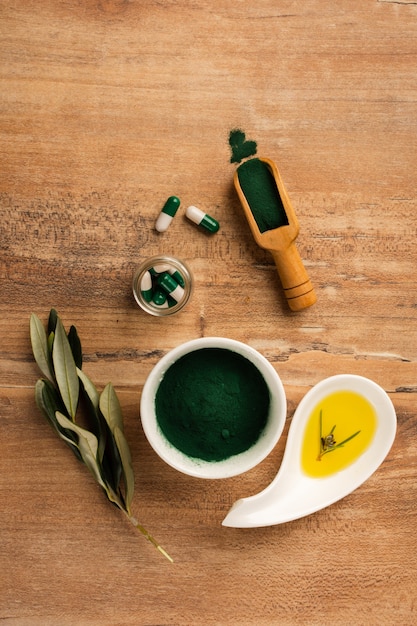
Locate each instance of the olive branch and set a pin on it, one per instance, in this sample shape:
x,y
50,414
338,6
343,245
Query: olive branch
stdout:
x,y
103,449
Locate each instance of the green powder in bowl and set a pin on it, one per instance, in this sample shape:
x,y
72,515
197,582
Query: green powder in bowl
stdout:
x,y
213,407
212,404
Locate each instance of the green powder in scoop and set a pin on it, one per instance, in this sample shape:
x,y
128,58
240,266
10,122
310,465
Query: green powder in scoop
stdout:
x,y
260,190
212,404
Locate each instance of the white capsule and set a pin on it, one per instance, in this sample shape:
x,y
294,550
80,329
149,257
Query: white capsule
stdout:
x,y
146,286
160,268
167,213
200,218
162,222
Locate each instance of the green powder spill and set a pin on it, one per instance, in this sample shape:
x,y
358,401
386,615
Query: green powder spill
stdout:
x,y
212,404
241,147
260,190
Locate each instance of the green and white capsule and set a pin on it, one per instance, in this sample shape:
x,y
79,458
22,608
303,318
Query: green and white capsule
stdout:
x,y
202,219
176,275
159,269
159,299
146,287
171,287
167,214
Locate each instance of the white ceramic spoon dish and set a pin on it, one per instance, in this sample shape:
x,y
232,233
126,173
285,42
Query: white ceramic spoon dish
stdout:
x,y
292,494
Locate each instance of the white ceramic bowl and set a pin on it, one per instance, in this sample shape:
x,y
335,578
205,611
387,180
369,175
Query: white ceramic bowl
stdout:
x,y
238,463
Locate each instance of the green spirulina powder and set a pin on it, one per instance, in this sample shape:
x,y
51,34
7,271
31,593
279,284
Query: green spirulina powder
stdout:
x,y
212,404
260,190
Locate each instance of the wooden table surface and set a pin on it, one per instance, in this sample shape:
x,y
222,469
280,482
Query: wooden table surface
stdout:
x,y
107,108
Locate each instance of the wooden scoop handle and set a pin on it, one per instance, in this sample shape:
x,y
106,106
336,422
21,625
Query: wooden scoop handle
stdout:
x,y
294,278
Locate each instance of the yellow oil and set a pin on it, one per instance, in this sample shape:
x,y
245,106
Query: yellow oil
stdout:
x,y
349,412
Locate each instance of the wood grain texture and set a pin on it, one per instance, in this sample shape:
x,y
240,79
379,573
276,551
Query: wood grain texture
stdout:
x,y
107,108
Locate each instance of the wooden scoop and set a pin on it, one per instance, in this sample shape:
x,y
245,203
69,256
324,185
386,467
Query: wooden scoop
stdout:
x,y
281,244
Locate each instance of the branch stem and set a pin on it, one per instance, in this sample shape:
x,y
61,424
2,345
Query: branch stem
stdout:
x,y
149,537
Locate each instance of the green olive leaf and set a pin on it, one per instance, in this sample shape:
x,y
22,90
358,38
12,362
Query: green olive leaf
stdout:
x,y
108,453
99,424
89,388
112,413
48,399
51,338
44,401
111,463
87,445
40,348
110,407
65,370
52,320
126,458
49,402
75,344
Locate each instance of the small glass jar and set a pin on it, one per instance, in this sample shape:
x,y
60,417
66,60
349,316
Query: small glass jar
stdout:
x,y
162,285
